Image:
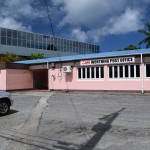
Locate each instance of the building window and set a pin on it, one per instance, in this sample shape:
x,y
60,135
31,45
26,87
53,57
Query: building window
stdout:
x,y
132,70
91,73
121,71
115,72
110,72
137,70
79,73
3,32
124,71
3,40
14,34
147,70
9,33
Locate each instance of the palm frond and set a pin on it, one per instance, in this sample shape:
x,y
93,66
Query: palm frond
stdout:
x,y
148,26
148,45
146,40
145,32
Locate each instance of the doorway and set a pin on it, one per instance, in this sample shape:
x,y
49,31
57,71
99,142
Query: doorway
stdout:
x,y
40,79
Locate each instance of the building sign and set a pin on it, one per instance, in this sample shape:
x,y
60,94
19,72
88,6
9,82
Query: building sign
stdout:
x,y
107,61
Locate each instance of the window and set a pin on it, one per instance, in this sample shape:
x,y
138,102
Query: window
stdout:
x,y
9,41
14,33
9,33
137,70
3,32
121,71
79,73
28,44
44,46
23,43
28,36
97,72
3,40
110,72
83,72
14,42
147,70
23,35
32,36
90,72
19,34
132,70
124,71
19,42
102,72
32,44
115,71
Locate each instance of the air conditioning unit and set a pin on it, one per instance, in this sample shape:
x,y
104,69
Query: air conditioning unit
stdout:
x,y
67,69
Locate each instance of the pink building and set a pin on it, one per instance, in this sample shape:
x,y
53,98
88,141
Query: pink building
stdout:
x,y
112,71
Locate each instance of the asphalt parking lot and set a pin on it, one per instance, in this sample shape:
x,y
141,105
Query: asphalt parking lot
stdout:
x,y
76,121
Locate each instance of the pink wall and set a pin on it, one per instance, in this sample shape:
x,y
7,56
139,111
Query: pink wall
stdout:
x,y
19,79
13,79
70,81
2,79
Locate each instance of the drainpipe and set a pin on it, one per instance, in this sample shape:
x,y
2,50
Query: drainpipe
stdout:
x,y
48,76
142,75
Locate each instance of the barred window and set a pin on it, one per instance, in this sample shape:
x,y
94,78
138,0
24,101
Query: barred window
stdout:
x,y
147,70
91,72
124,71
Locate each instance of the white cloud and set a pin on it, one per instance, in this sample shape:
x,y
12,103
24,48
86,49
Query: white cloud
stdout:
x,y
84,20
13,24
80,35
15,13
130,20
98,18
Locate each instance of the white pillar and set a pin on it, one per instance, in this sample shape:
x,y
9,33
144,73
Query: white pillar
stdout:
x,y
142,74
48,76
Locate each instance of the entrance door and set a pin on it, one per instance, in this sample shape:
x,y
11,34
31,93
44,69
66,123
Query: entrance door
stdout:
x,y
40,79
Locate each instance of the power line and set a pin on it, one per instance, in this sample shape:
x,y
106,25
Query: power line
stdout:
x,y
49,17
82,126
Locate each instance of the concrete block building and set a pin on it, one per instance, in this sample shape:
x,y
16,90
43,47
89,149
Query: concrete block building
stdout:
x,y
111,71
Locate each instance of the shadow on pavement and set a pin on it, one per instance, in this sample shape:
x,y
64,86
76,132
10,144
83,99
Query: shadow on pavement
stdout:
x,y
100,129
10,113
13,111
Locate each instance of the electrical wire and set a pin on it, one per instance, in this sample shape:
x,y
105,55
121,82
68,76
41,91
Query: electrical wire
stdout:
x,y
73,105
51,27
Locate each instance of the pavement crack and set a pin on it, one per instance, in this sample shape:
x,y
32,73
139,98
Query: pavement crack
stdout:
x,y
30,127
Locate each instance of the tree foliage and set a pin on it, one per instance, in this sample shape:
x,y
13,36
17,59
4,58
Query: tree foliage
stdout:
x,y
36,56
146,40
9,57
130,47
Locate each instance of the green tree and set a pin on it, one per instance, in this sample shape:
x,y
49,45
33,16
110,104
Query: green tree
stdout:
x,y
132,47
36,56
9,57
147,33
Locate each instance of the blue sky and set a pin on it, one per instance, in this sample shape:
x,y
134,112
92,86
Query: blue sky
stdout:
x,y
113,24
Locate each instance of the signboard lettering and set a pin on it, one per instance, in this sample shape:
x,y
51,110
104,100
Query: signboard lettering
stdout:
x,y
107,61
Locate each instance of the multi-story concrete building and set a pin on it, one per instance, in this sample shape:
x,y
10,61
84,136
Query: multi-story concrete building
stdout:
x,y
25,43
